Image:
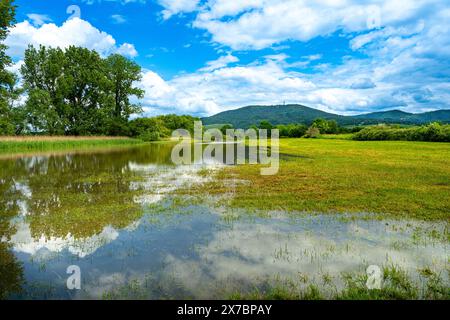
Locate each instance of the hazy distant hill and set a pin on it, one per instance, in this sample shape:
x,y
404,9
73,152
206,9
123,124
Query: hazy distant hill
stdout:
x,y
285,114
398,116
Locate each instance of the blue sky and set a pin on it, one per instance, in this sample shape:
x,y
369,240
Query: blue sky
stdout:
x,y
201,57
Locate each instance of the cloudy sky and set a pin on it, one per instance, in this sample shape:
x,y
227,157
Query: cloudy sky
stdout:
x,y
201,57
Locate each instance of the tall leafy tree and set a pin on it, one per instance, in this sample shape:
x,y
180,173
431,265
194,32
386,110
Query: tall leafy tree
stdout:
x,y
85,89
122,74
326,126
75,91
7,79
42,74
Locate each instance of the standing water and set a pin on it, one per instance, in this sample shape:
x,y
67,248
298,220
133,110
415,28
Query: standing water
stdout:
x,y
111,214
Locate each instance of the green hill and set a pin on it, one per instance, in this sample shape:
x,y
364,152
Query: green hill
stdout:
x,y
247,116
286,114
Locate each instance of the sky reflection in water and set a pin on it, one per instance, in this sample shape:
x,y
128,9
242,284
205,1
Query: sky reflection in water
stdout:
x,y
97,211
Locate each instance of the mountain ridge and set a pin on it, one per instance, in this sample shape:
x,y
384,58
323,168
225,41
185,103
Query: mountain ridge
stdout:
x,y
296,113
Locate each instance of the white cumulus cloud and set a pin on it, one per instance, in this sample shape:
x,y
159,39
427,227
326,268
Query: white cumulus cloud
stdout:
x,y
75,32
174,7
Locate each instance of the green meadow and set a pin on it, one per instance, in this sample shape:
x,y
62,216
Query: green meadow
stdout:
x,y
385,178
335,207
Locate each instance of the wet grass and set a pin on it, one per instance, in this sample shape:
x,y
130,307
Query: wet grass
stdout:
x,y
396,285
385,178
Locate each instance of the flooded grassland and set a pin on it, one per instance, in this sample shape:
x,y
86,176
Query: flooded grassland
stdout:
x,y
138,226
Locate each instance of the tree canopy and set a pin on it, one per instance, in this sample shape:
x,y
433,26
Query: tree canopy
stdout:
x,y
7,79
150,129
76,91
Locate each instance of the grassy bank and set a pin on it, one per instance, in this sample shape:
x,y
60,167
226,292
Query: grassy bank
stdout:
x,y
389,178
46,143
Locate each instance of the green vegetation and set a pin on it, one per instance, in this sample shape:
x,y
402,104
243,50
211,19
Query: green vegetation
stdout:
x,y
24,144
431,132
312,132
318,126
287,114
76,92
396,285
397,116
326,126
11,272
292,130
248,116
7,79
78,194
152,129
401,179
69,92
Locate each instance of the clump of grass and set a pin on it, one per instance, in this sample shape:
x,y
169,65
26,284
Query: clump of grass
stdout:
x,y
279,291
435,288
132,290
396,286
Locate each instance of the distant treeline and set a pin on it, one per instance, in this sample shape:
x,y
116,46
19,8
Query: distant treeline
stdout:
x,y
153,129
431,132
318,126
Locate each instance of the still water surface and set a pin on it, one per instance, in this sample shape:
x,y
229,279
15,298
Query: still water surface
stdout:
x,y
110,213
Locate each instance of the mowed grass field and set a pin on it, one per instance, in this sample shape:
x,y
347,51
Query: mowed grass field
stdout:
x,y
389,178
43,143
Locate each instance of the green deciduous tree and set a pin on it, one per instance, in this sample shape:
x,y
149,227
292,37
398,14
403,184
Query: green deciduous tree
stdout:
x,y
292,130
326,126
84,88
76,91
7,79
160,126
42,74
122,75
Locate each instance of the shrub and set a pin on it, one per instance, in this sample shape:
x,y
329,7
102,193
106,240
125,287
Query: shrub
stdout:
x,y
312,132
150,136
431,132
326,126
292,130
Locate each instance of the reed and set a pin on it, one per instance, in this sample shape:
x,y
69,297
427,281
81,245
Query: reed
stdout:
x,y
40,143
